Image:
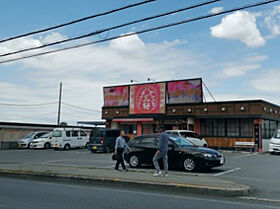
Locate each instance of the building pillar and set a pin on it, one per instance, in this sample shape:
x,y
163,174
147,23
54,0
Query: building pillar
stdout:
x,y
258,134
197,126
139,128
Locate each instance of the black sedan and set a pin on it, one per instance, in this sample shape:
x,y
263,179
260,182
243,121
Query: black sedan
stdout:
x,y
181,153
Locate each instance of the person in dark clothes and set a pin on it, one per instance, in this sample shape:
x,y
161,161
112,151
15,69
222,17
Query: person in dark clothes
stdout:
x,y
119,148
162,153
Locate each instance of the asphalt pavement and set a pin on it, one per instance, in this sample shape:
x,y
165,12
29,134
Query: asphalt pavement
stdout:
x,y
258,171
30,194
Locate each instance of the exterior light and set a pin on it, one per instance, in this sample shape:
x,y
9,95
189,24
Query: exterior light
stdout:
x,y
117,112
223,109
275,111
270,110
106,113
242,108
264,108
205,109
189,110
173,110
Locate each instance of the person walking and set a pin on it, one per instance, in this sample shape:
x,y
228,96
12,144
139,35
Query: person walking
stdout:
x,y
162,154
119,148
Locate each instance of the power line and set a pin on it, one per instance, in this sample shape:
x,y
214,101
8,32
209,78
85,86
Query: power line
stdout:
x,y
111,28
76,21
80,108
143,31
27,105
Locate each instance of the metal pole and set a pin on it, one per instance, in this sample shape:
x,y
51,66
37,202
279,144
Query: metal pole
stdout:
x,y
59,104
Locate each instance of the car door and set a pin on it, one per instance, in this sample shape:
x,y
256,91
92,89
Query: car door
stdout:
x,y
74,138
149,147
83,138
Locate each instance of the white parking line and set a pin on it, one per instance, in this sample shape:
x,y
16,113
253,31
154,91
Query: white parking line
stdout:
x,y
246,155
226,172
259,199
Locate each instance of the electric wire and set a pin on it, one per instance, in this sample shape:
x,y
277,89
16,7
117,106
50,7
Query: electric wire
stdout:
x,y
111,28
76,21
80,108
27,105
143,31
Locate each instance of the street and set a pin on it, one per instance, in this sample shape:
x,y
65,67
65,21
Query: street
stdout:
x,y
259,171
29,194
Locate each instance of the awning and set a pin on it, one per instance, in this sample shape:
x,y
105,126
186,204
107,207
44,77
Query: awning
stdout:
x,y
133,120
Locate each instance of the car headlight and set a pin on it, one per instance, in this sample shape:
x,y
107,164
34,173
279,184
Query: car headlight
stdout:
x,y
207,155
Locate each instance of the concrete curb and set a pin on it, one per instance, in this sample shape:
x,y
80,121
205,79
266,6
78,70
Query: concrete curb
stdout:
x,y
109,181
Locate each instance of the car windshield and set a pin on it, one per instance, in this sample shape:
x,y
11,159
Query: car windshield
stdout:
x,y
180,141
184,134
46,135
277,134
30,135
57,134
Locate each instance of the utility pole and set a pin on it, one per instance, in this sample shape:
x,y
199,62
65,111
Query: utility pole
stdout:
x,y
59,104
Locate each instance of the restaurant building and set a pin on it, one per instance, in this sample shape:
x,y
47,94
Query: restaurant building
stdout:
x,y
144,108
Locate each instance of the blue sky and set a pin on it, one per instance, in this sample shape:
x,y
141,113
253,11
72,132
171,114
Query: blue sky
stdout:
x,y
236,54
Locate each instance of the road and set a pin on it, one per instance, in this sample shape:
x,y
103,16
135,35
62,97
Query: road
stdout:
x,y
259,171
29,194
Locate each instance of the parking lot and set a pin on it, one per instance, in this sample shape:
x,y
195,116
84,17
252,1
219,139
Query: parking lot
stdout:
x,y
259,171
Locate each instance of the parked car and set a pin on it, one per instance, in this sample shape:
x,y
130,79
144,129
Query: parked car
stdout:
x,y
191,136
25,142
103,139
67,138
182,154
43,141
274,144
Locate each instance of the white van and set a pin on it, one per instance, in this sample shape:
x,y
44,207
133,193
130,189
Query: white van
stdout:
x,y
274,144
67,138
189,135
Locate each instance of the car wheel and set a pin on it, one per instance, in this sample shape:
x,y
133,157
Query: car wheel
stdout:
x,y
47,146
134,161
28,146
189,164
107,149
86,145
67,147
205,145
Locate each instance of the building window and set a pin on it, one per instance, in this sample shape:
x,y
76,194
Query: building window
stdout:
x,y
129,129
246,127
218,127
232,127
268,128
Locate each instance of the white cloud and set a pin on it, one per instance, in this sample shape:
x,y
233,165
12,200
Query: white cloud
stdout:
x,y
267,82
240,25
234,70
84,71
216,10
241,67
272,21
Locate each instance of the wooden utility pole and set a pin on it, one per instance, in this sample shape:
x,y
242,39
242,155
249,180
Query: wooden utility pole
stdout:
x,y
59,104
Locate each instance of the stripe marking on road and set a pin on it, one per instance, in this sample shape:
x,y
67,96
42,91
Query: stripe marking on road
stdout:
x,y
259,199
227,172
246,155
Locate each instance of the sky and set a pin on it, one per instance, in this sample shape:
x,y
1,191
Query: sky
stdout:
x,y
236,54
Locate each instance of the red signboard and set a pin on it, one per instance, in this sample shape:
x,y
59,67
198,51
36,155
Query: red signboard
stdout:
x,y
115,96
188,91
147,99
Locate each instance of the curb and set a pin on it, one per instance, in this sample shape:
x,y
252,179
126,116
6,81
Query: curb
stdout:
x,y
111,181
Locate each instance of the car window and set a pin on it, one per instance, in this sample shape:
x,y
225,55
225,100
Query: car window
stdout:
x,y
277,135
57,134
46,135
196,136
180,141
67,133
108,133
74,133
186,134
116,133
82,133
30,135
174,133
95,133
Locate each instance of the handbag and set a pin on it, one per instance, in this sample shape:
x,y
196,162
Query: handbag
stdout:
x,y
115,157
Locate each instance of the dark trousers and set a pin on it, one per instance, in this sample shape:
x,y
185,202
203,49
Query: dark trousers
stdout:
x,y
120,159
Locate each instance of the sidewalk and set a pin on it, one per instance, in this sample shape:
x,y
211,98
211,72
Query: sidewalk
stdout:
x,y
138,178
